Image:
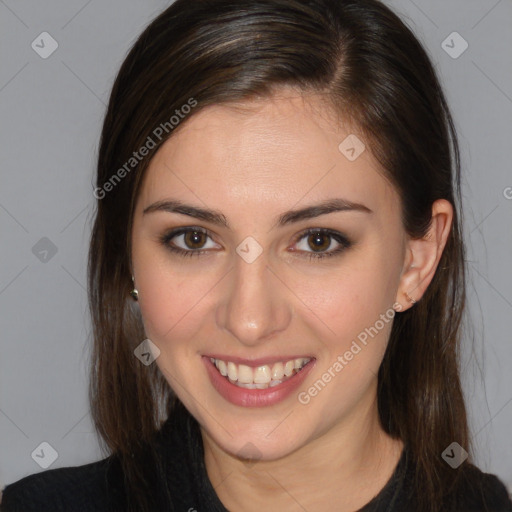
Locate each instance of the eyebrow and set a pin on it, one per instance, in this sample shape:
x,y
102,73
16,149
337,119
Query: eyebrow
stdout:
x,y
289,217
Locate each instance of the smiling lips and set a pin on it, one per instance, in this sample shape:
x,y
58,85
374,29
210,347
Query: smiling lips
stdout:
x,y
259,377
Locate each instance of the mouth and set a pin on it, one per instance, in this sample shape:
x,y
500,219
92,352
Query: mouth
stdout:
x,y
262,376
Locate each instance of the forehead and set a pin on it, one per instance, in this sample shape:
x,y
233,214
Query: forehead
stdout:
x,y
266,152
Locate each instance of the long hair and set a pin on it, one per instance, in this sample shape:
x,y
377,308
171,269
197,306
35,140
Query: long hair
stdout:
x,y
372,71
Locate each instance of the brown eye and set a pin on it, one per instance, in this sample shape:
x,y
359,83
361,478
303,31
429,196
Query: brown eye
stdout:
x,y
189,241
322,243
194,239
319,241
316,243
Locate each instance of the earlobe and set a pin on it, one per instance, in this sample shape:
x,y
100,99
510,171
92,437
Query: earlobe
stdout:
x,y
424,254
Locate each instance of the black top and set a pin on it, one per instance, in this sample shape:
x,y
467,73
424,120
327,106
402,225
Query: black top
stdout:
x,y
99,486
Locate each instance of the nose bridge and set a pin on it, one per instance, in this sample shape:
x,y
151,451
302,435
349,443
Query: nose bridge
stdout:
x,y
254,307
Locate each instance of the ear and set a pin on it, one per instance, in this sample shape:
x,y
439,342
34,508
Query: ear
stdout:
x,y
422,256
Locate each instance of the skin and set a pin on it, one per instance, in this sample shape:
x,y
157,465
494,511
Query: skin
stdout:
x,y
252,162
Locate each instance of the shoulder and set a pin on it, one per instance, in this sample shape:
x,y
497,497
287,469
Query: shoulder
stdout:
x,y
94,486
479,491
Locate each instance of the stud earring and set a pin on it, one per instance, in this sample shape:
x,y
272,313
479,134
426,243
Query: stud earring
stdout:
x,y
409,298
134,293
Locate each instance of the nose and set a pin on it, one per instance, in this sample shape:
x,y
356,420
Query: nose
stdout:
x,y
255,307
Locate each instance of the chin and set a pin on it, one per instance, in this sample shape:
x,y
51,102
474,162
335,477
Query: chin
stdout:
x,y
265,438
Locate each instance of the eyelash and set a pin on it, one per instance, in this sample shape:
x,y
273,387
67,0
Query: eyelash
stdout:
x,y
344,242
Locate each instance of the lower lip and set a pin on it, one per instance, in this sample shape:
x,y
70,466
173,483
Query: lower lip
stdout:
x,y
255,397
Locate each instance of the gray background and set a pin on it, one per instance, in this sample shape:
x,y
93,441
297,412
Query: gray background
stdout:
x,y
51,111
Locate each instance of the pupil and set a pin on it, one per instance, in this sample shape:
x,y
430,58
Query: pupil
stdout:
x,y
193,238
317,241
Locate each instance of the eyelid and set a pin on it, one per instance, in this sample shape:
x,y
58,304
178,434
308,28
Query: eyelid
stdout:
x,y
173,233
343,241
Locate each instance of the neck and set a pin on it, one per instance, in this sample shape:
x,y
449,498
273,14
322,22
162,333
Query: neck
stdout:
x,y
346,466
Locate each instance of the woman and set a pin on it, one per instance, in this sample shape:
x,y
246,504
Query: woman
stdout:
x,y
276,272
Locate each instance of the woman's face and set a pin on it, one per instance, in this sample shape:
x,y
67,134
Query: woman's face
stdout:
x,y
236,276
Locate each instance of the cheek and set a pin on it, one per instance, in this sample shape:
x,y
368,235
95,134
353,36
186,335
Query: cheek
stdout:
x,y
346,301
352,316
165,293
351,312
169,303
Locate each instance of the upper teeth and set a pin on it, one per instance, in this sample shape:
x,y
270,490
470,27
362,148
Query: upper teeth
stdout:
x,y
261,374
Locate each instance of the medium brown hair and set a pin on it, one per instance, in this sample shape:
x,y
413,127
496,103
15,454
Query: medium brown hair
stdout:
x,y
375,73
